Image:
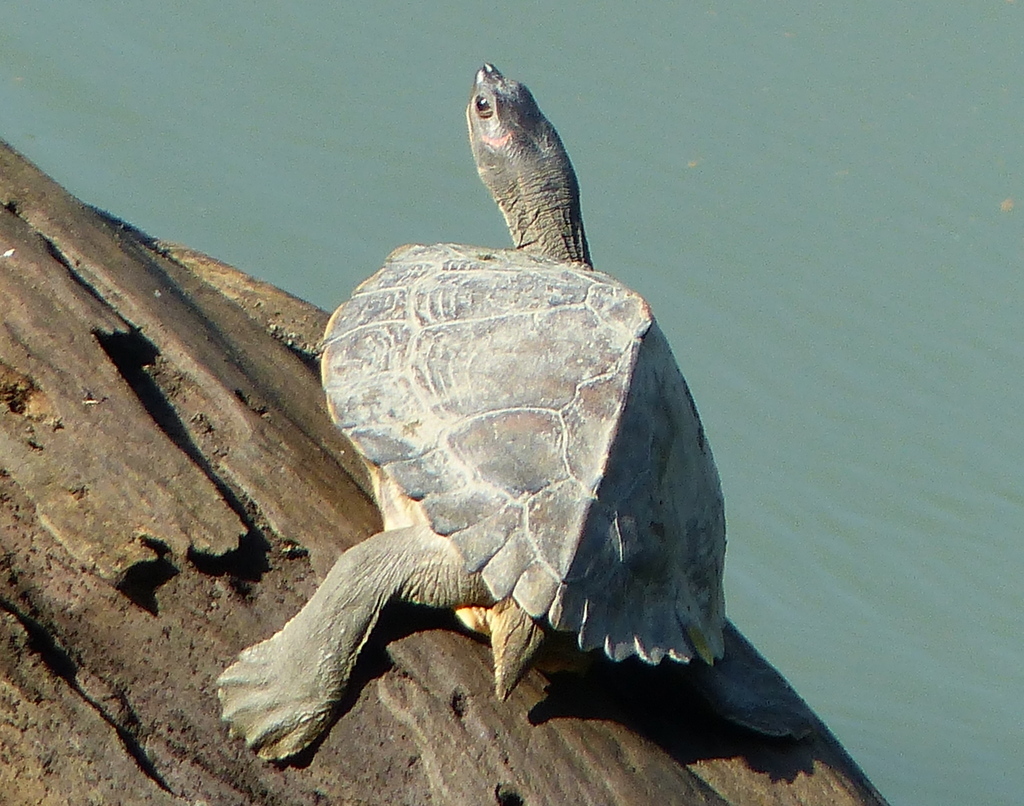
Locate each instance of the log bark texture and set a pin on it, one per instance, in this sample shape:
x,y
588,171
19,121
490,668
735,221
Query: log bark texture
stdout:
x,y
172,490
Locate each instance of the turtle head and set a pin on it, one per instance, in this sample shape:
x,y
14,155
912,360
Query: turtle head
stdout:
x,y
522,161
503,116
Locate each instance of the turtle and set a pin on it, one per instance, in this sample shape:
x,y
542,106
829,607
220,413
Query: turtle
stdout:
x,y
537,457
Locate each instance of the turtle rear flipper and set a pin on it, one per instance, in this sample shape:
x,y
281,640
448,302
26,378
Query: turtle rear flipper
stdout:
x,y
271,703
280,694
744,689
515,641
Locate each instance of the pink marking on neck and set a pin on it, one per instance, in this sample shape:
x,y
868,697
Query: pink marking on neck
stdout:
x,y
497,142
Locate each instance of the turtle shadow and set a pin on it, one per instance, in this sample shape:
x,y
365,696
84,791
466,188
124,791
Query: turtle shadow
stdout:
x,y
671,706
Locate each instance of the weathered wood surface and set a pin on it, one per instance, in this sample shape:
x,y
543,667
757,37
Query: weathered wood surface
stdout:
x,y
171,490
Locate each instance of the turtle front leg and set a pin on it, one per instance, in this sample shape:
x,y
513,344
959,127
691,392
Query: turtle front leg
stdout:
x,y
279,695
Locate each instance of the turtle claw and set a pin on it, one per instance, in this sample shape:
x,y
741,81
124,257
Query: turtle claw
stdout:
x,y
266,702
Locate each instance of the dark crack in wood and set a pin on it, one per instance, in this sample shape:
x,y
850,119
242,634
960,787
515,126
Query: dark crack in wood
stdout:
x,y
136,359
62,666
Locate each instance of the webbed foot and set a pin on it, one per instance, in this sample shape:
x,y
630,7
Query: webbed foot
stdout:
x,y
280,694
277,711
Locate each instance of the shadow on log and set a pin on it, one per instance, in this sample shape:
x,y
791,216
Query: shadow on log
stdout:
x,y
172,490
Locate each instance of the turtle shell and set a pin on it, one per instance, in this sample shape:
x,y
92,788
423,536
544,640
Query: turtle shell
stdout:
x,y
532,411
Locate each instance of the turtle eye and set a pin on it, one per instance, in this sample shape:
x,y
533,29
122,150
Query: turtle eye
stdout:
x,y
483,107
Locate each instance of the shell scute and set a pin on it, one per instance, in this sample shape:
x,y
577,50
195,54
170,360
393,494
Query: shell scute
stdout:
x,y
411,270
378,307
475,293
458,509
535,589
423,475
555,517
523,359
506,567
631,312
590,420
517,450
479,542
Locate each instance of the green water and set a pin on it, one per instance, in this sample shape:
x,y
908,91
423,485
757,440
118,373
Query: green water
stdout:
x,y
823,202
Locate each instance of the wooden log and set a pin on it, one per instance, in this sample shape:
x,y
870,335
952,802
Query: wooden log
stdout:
x,y
172,490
